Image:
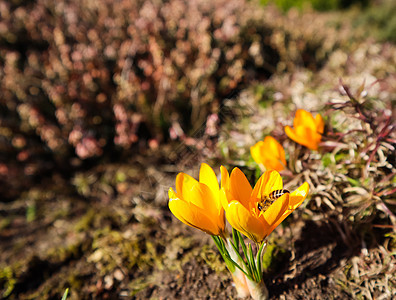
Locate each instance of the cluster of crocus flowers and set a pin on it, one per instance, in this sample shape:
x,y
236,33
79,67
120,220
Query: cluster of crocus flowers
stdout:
x,y
204,205
307,130
269,153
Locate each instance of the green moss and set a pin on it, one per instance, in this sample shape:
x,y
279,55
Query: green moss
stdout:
x,y
31,212
75,281
212,258
139,284
7,281
120,176
326,159
268,256
5,222
61,254
85,221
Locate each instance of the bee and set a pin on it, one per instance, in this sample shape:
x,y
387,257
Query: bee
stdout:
x,y
266,200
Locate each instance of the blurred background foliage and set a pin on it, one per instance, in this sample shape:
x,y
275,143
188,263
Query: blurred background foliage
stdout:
x,y
81,81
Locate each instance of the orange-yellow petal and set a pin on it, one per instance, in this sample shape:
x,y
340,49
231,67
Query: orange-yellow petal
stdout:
x,y
319,123
240,187
192,215
307,129
305,119
269,153
292,134
201,196
297,197
184,183
208,177
268,182
257,152
273,214
275,150
308,137
244,221
225,178
225,198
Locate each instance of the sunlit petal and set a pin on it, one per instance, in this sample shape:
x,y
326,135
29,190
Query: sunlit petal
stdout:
x,y
296,199
198,204
240,187
271,181
257,152
307,130
225,178
184,183
225,197
299,195
275,149
269,153
192,215
308,137
208,177
319,123
291,134
276,210
242,220
304,118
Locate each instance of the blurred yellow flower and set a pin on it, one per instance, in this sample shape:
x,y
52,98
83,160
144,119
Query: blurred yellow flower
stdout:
x,y
242,203
269,153
307,130
197,204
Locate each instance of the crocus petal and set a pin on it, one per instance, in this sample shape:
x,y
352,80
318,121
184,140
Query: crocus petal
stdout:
x,y
319,123
242,220
225,198
304,118
269,153
270,181
308,137
292,134
225,178
271,164
275,149
184,183
298,196
201,196
240,187
208,177
192,215
272,216
307,129
257,152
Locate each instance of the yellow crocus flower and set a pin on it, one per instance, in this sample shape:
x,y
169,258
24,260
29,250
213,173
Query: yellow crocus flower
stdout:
x,y
307,130
269,153
241,203
197,204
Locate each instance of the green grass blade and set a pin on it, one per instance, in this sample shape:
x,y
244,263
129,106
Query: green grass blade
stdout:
x,y
65,294
259,259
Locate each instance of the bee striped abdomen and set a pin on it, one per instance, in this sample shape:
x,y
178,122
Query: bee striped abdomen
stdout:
x,y
277,194
266,201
